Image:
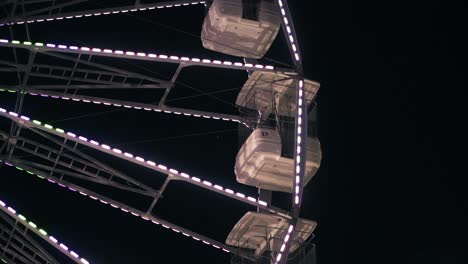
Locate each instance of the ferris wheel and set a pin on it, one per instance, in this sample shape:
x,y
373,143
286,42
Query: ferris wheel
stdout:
x,y
279,153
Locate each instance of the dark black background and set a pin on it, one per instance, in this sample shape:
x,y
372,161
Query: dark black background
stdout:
x,y
389,75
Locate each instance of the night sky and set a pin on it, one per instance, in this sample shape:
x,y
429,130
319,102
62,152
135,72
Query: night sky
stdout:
x,y
384,192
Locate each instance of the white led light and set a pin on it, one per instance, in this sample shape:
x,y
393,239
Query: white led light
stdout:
x,y
196,179
207,183
151,163
118,151
278,257
240,195
63,246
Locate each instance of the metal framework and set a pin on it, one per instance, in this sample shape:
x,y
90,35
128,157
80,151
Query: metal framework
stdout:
x,y
17,244
59,72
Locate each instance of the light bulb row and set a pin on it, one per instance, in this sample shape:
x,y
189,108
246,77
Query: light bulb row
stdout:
x,y
121,11
283,246
297,183
117,206
292,42
40,231
132,54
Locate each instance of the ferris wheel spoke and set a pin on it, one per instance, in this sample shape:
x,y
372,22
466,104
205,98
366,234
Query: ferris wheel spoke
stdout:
x,y
37,90
170,172
28,226
35,16
103,52
147,216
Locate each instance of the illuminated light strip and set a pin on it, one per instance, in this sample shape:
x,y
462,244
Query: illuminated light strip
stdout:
x,y
110,203
131,9
291,39
133,107
297,181
283,246
131,54
141,161
289,30
300,114
30,225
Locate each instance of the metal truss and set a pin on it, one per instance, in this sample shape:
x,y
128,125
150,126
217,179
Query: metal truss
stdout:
x,y
17,246
84,72
62,161
18,240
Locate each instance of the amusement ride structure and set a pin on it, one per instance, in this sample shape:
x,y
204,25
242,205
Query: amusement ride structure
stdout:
x,y
280,150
